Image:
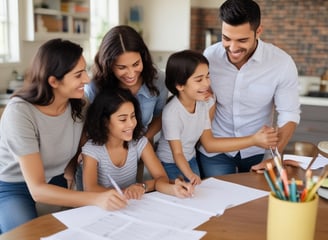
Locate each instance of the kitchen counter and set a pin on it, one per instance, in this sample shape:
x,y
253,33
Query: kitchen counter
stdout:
x,y
4,99
313,126
314,101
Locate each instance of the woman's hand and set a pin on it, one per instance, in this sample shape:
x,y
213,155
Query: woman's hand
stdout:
x,y
134,191
111,200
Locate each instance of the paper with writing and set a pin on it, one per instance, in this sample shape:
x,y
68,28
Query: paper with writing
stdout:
x,y
157,215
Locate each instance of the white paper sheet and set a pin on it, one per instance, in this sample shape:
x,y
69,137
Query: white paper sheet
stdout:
x,y
129,230
116,226
303,161
146,209
213,196
70,233
156,215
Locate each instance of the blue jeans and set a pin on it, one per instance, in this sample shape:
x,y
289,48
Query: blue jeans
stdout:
x,y
17,205
174,172
222,164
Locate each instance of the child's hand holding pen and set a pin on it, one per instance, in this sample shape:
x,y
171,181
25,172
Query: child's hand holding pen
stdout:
x,y
194,179
184,189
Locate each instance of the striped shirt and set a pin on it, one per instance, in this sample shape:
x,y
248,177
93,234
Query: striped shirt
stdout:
x,y
124,176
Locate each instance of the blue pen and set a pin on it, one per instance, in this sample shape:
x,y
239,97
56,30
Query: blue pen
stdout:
x,y
281,189
273,189
293,191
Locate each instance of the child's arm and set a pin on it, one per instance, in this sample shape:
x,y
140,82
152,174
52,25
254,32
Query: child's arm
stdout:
x,y
90,175
160,181
90,180
182,162
266,137
212,105
211,112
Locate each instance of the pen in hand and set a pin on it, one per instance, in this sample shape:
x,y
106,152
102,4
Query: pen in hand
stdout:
x,y
118,189
187,186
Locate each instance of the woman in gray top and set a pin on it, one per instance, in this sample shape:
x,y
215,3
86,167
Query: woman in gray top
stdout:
x,y
40,131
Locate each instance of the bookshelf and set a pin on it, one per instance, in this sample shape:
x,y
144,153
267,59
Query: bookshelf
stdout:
x,y
56,19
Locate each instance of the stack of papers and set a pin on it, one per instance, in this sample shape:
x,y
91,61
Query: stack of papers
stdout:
x,y
156,215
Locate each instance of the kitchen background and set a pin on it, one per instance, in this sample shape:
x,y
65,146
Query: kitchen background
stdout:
x,y
300,27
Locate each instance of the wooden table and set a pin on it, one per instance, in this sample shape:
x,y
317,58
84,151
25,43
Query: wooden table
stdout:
x,y
246,221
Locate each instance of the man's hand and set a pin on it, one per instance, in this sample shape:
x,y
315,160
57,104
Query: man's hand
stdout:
x,y
260,167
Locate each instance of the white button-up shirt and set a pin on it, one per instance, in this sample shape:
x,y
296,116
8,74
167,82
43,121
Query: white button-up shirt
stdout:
x,y
247,97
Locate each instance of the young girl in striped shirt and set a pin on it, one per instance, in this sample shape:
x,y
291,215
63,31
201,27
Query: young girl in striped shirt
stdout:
x,y
116,144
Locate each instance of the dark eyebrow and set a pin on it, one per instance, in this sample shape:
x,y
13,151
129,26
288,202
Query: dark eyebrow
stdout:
x,y
137,61
122,115
240,39
199,76
126,114
80,71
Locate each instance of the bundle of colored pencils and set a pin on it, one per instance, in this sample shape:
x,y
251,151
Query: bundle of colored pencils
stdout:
x,y
286,189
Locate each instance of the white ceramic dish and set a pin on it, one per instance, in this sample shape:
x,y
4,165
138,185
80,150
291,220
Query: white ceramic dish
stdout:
x,y
323,192
323,146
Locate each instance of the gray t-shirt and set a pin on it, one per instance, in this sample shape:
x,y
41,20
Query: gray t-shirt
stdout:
x,y
179,124
124,176
25,130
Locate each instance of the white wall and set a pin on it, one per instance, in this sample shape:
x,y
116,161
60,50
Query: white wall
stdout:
x,y
165,25
206,3
153,21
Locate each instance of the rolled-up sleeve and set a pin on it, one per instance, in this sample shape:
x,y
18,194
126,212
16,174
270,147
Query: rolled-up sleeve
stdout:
x,y
287,98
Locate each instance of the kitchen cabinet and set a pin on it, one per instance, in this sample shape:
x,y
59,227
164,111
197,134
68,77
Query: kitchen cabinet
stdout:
x,y
165,24
56,19
313,126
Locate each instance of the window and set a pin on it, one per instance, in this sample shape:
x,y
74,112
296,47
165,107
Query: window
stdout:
x,y
104,15
9,38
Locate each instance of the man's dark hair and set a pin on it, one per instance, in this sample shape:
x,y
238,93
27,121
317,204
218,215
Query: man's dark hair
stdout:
x,y
237,12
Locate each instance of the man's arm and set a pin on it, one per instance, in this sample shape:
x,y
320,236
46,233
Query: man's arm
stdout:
x,y
285,133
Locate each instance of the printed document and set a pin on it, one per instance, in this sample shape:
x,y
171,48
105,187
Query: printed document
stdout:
x,y
157,215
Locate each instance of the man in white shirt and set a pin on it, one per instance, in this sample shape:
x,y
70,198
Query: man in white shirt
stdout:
x,y
251,80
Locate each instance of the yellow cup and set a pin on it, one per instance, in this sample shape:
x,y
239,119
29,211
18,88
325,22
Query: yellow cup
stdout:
x,y
291,220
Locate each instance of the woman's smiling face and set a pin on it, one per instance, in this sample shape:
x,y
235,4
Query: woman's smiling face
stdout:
x,y
127,68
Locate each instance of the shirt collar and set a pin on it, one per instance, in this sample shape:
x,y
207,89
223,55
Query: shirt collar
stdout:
x,y
258,54
144,91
